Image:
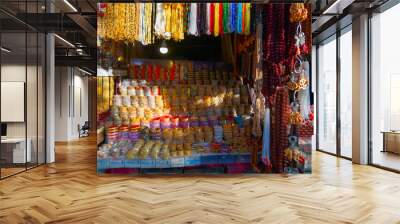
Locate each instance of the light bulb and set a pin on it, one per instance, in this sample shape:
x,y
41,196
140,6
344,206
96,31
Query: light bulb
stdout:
x,y
163,50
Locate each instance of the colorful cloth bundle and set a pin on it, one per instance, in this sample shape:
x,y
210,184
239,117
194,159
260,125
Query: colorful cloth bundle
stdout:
x,y
133,22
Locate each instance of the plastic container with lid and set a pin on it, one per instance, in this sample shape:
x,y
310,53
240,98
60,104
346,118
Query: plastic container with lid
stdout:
x,y
131,91
126,100
165,122
184,122
123,90
155,123
117,100
155,90
194,121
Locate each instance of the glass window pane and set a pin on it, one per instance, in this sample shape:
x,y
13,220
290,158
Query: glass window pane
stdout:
x,y
385,88
13,86
31,100
41,99
346,94
327,96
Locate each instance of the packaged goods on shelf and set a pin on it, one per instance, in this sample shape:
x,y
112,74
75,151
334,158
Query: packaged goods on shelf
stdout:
x,y
163,119
203,103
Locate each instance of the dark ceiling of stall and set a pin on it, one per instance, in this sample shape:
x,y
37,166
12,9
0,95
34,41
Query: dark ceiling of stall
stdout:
x,y
202,48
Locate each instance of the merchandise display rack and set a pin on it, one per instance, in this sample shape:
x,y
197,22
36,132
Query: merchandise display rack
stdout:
x,y
194,160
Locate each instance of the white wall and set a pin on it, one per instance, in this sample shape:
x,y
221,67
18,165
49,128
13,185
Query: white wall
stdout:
x,y
34,125
12,73
71,102
61,104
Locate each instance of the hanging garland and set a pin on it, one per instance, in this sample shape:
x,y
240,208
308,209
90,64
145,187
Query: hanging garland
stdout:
x,y
294,157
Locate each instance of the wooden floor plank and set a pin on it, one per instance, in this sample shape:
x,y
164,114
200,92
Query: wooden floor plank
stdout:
x,y
70,191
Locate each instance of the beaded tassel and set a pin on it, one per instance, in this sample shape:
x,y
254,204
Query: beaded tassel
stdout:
x,y
279,140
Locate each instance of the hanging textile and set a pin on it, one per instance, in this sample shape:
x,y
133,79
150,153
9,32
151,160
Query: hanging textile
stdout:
x,y
168,15
216,19
145,34
208,31
198,18
193,20
119,21
141,22
177,14
208,15
212,18
221,18
226,18
111,19
159,26
247,18
186,17
135,21
147,24
202,18
266,148
233,18
244,6
239,15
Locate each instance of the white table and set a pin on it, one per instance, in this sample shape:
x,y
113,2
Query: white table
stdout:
x,y
18,149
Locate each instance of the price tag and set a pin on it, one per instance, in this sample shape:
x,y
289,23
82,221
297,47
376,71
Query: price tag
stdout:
x,y
178,162
160,163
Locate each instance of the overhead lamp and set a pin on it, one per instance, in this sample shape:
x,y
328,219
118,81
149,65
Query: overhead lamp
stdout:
x,y
5,50
70,5
84,71
64,40
163,48
337,7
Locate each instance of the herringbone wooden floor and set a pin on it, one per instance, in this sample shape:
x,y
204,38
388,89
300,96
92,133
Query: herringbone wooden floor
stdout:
x,y
69,191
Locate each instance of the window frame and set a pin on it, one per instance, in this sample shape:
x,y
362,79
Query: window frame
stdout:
x,y
334,37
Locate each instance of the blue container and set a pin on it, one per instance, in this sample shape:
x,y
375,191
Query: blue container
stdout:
x,y
133,163
116,163
147,163
160,163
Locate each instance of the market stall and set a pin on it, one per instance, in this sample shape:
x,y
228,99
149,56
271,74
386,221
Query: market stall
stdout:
x,y
204,88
